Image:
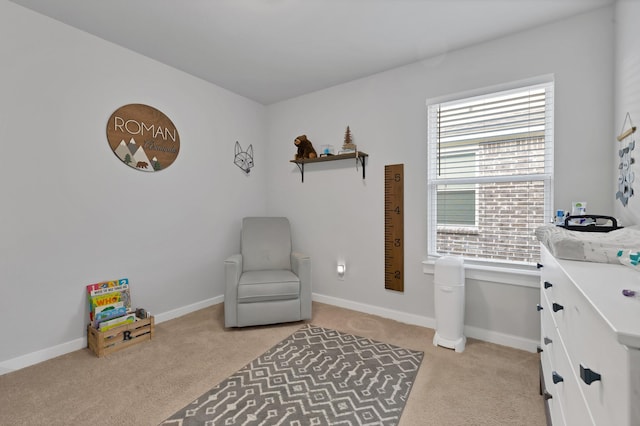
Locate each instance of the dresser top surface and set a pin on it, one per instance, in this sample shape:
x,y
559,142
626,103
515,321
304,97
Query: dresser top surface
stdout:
x,y
602,285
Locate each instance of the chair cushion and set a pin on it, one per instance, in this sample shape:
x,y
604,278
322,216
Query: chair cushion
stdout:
x,y
262,286
265,243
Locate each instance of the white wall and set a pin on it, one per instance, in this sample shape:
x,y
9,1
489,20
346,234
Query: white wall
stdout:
x,y
339,215
627,96
74,214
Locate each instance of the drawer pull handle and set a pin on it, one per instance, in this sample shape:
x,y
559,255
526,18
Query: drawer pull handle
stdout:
x,y
547,284
556,378
539,349
539,265
539,307
557,307
588,375
546,395
547,341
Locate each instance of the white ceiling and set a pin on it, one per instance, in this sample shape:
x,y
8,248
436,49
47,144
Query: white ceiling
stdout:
x,y
271,50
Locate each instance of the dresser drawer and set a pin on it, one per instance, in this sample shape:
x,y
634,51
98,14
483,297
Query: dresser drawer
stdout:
x,y
592,345
634,379
574,408
549,338
567,404
555,408
552,276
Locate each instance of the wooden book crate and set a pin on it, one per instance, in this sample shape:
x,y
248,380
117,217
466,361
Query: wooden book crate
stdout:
x,y
104,343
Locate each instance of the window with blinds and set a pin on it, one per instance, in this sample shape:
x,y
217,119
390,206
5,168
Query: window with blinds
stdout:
x,y
490,173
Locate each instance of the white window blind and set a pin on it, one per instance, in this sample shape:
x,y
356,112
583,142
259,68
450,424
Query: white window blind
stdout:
x,y
490,173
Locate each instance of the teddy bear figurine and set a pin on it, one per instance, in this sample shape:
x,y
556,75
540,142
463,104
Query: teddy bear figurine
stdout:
x,y
305,148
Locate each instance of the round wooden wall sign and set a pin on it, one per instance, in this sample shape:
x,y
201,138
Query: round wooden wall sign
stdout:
x,y
143,137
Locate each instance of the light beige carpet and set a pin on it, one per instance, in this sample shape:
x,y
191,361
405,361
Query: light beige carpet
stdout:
x,y
487,384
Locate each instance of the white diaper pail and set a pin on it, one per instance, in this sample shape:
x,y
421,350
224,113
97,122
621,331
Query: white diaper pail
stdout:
x,y
449,303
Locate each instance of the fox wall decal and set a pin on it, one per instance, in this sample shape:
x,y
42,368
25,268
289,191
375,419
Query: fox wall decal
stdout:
x,y
243,159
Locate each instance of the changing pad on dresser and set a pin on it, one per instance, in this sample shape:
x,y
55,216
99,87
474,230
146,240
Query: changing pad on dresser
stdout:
x,y
588,246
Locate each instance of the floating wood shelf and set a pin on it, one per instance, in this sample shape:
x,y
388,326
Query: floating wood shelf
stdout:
x,y
360,156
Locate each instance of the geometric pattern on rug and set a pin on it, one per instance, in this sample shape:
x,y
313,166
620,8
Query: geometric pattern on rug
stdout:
x,y
316,376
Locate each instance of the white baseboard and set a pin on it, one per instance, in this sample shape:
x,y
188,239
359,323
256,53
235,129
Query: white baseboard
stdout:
x,y
376,310
81,343
42,355
469,331
477,333
503,339
184,310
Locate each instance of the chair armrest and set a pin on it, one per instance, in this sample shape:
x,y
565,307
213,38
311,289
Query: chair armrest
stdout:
x,y
232,272
299,260
301,266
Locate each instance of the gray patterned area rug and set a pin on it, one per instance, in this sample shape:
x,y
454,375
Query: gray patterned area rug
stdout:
x,y
316,376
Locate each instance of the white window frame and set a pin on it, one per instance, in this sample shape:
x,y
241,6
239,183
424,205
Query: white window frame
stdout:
x,y
547,177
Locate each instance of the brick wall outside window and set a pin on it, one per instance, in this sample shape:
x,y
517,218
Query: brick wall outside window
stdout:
x,y
507,213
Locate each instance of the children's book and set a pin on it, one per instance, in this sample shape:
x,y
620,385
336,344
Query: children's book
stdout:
x,y
104,309
106,284
119,294
108,293
105,313
127,319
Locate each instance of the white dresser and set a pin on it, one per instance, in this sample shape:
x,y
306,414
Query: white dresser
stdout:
x,y
590,341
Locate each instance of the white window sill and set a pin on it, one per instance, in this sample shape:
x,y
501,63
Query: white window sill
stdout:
x,y
524,276
458,229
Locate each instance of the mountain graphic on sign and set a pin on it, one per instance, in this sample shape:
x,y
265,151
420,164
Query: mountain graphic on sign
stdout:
x,y
156,164
141,161
123,152
134,155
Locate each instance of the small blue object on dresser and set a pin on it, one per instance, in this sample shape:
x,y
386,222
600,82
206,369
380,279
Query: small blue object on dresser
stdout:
x,y
629,258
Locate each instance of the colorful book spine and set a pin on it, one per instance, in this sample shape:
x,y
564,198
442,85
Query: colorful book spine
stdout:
x,y
116,322
106,284
109,313
101,309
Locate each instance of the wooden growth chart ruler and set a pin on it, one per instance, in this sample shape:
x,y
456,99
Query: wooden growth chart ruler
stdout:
x,y
394,227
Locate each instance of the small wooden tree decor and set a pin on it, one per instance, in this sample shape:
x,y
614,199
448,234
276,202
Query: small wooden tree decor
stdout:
x,y
348,141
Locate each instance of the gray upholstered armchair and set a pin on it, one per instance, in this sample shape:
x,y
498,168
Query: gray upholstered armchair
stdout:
x,y
267,282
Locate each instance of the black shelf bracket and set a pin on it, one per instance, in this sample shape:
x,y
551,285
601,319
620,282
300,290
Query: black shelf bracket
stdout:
x,y
301,168
361,160
359,156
